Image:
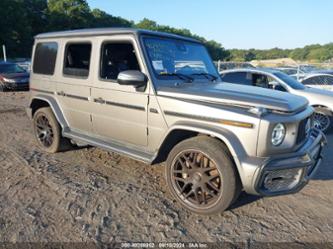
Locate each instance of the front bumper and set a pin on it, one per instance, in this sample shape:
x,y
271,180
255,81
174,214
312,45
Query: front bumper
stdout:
x,y
17,86
289,173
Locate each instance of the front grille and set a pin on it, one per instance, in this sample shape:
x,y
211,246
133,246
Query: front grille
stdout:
x,y
301,135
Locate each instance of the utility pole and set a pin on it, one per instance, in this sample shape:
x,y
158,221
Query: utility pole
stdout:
x,y
4,52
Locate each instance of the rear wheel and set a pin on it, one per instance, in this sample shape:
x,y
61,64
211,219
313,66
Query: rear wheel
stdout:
x,y
48,132
322,119
201,175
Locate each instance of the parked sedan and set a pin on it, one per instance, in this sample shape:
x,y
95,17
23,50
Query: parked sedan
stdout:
x,y
321,100
13,77
321,81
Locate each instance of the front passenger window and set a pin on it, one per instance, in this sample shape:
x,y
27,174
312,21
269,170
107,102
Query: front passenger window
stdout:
x,y
115,58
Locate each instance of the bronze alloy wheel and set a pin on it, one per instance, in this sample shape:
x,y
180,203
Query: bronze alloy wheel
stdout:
x,y
196,179
48,131
44,131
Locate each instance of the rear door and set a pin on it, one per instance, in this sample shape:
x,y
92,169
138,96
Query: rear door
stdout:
x,y
73,86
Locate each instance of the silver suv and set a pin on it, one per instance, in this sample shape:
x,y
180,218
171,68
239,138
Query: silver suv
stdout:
x,y
158,97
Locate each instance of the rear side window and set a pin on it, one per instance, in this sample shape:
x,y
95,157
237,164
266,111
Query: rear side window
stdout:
x,y
241,78
77,59
319,80
45,58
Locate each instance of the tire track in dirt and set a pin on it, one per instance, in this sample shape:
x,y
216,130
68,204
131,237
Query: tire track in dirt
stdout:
x,y
91,195
91,210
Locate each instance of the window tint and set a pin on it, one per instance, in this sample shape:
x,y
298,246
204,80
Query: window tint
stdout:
x,y
45,58
289,81
77,59
260,80
241,78
319,80
117,57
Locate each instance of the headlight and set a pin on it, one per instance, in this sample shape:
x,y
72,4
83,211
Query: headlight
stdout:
x,y
8,80
278,134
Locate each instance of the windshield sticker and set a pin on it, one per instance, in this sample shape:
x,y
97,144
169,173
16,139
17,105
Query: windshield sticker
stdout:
x,y
158,65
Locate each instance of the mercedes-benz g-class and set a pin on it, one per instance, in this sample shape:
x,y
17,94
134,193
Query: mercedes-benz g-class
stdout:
x,y
158,97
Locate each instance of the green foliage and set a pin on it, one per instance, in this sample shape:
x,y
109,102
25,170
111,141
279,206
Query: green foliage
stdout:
x,y
315,52
102,19
21,20
214,48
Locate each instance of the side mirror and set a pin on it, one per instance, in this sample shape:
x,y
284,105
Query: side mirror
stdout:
x,y
132,77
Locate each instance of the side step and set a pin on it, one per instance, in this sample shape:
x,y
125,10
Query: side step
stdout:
x,y
129,151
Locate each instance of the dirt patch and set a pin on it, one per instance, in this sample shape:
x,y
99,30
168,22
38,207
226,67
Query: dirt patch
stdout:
x,y
92,195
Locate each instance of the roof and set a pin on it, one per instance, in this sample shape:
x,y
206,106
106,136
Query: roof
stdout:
x,y
107,31
252,70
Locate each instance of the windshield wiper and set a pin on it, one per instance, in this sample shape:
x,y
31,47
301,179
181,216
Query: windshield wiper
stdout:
x,y
184,77
207,75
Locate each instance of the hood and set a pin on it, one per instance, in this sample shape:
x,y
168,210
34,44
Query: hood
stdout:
x,y
318,91
15,75
238,95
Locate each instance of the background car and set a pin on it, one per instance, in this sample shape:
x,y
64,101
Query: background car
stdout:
x,y
25,64
231,65
321,81
321,100
288,70
13,77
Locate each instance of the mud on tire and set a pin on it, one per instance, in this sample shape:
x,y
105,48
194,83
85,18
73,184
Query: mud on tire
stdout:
x,y
48,132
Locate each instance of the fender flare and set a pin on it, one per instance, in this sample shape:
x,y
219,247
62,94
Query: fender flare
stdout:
x,y
228,138
57,111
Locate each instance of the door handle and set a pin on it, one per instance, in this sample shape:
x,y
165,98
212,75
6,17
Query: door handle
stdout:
x,y
99,100
61,93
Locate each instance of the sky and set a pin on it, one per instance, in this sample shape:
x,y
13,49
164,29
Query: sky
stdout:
x,y
243,24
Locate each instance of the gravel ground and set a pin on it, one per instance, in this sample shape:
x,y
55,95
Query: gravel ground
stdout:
x,y
92,195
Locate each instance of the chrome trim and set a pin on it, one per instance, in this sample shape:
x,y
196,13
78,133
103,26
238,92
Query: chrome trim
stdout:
x,y
41,91
140,108
76,97
215,120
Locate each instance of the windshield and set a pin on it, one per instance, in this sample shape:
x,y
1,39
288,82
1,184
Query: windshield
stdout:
x,y
170,58
11,68
293,83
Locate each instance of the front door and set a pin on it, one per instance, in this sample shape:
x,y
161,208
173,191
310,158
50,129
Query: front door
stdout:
x,y
119,112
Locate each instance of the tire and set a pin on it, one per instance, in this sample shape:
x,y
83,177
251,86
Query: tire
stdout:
x,y
2,88
201,175
323,119
48,132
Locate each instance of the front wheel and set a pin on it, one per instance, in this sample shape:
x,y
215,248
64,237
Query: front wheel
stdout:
x,y
201,175
322,119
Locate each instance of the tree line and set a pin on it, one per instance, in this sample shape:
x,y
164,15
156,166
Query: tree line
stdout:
x,y
311,53
21,20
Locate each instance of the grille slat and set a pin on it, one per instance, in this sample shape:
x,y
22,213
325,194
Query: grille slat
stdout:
x,y
301,135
